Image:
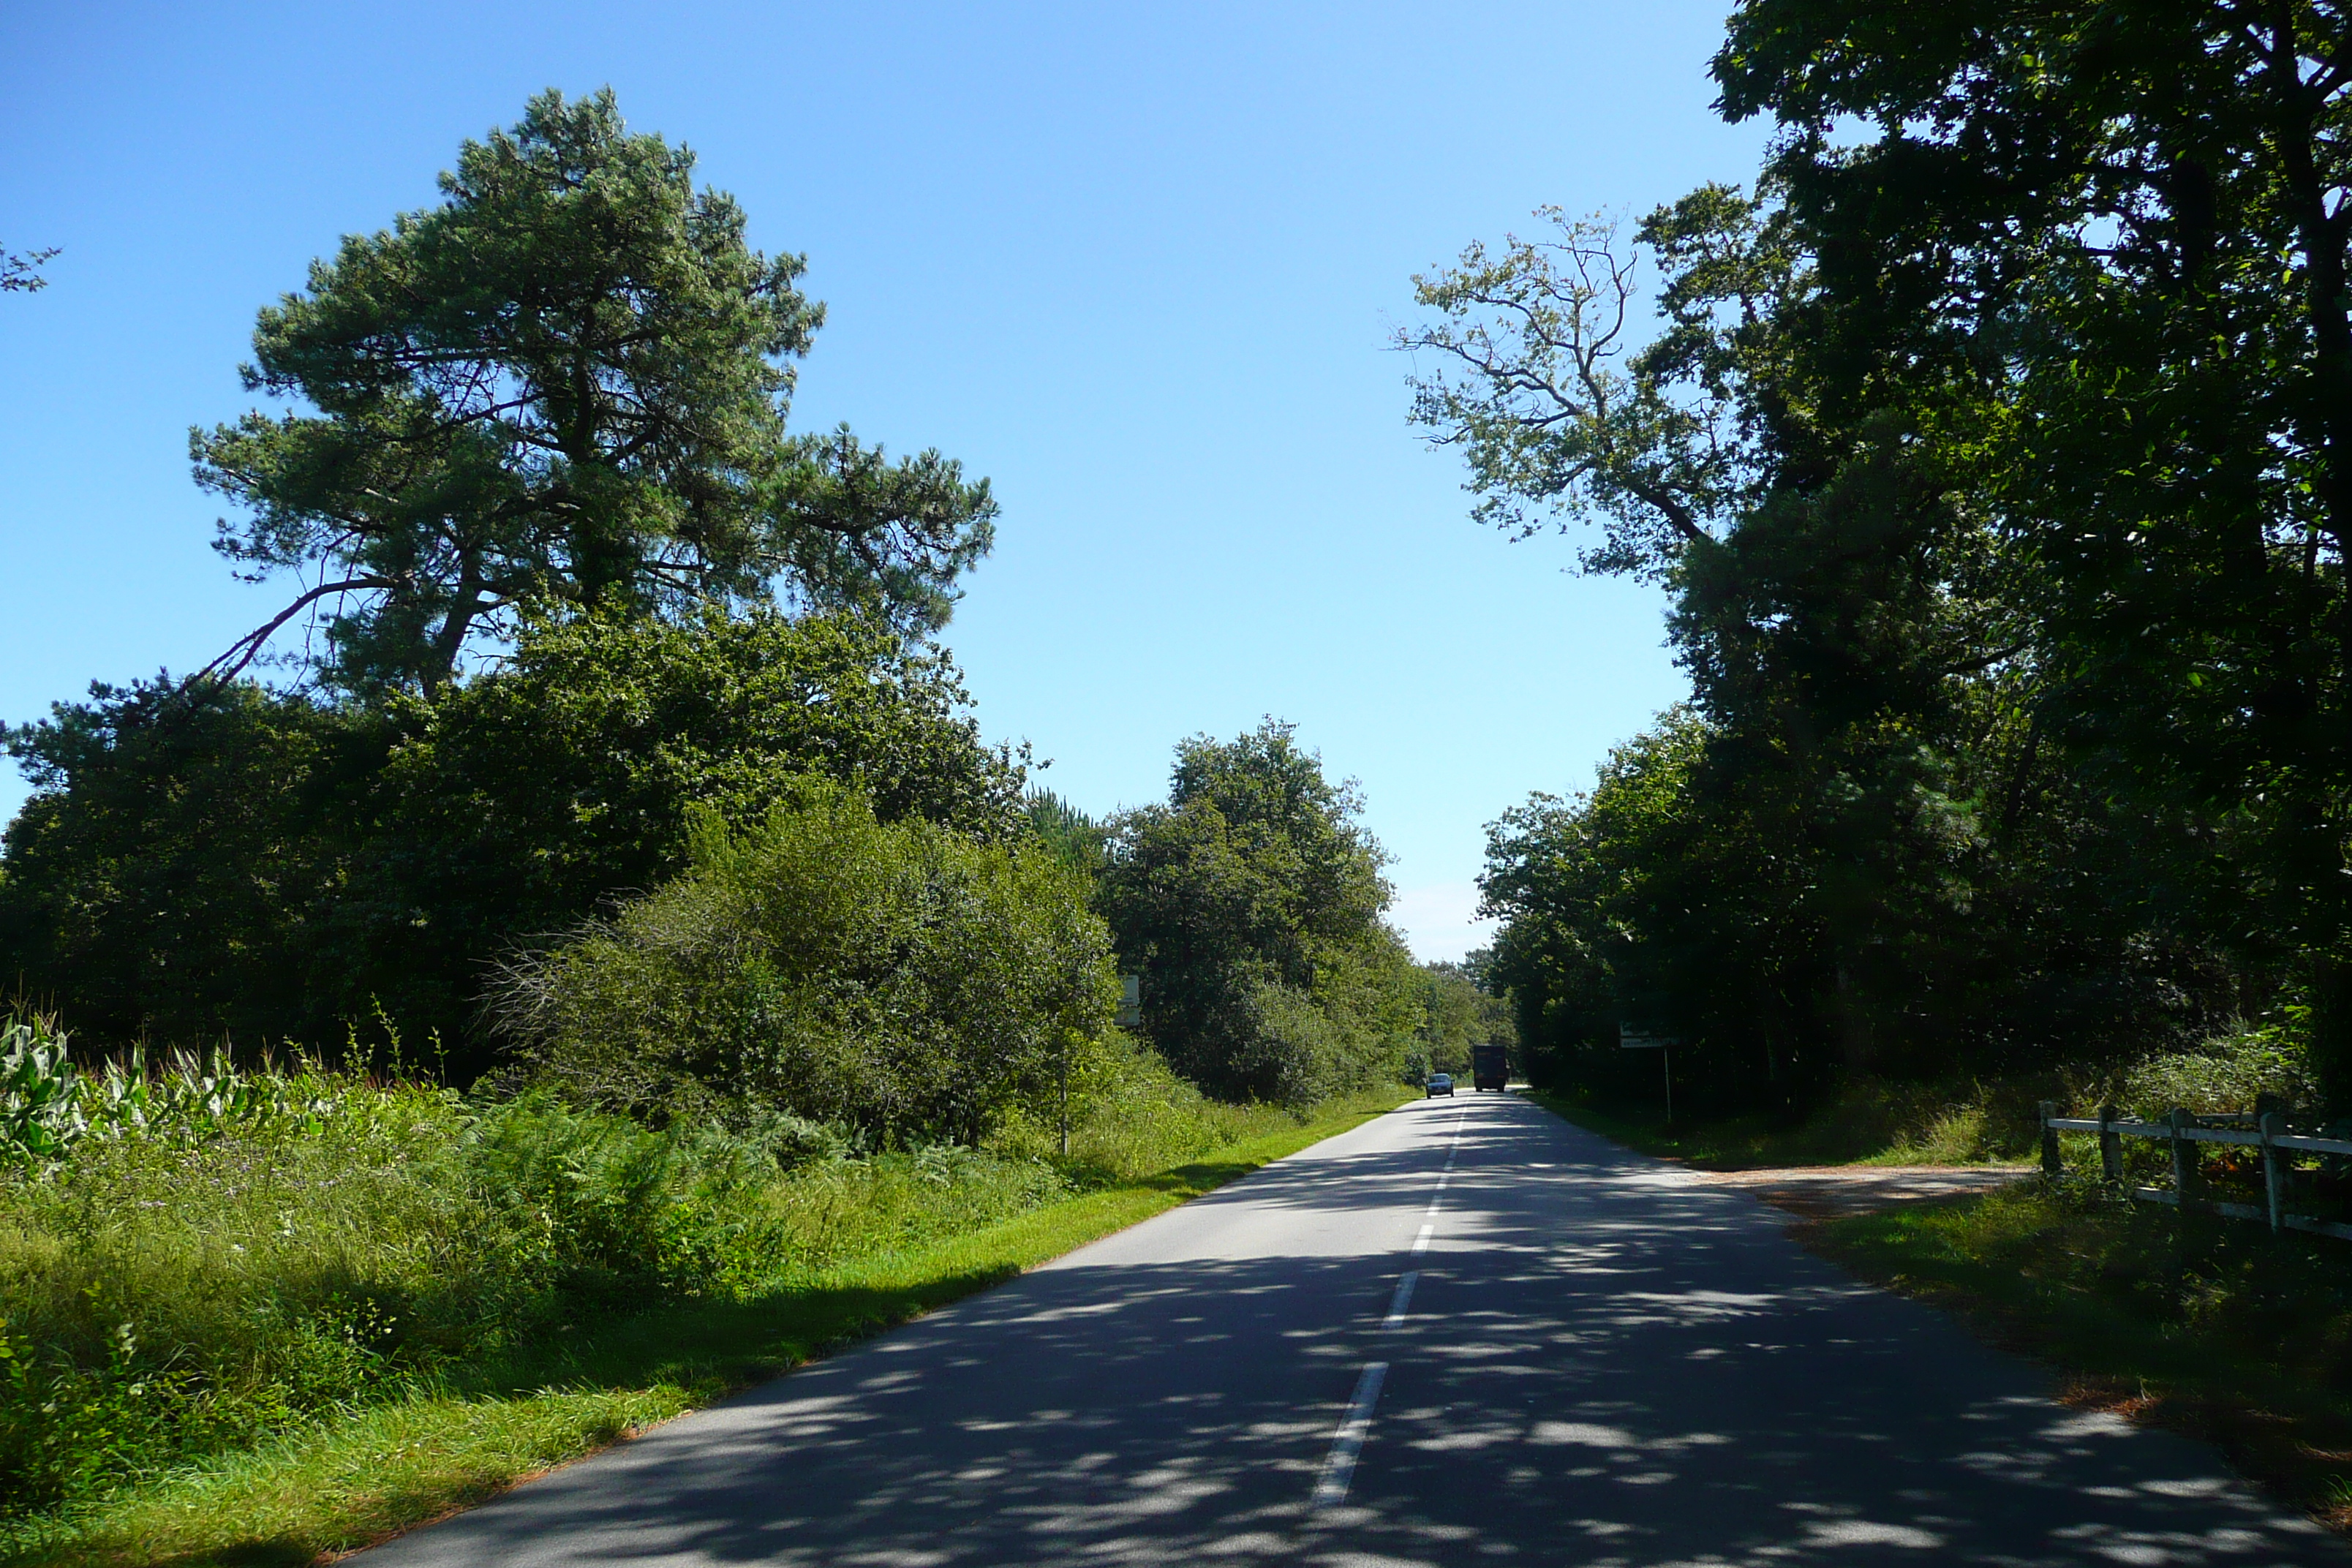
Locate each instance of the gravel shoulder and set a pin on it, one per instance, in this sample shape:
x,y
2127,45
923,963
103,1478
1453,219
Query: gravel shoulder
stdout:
x,y
1832,1192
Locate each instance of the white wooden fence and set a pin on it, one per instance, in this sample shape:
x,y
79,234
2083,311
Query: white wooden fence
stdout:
x,y
2185,1133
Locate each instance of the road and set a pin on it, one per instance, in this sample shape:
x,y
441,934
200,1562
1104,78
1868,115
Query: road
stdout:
x,y
1597,1361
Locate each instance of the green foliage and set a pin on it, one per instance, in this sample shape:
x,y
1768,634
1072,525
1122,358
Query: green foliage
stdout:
x,y
256,866
550,413
1457,1013
1553,427
564,384
2231,1073
1638,906
1131,1114
2012,741
40,1115
2092,264
1790,932
1251,904
521,802
234,1257
897,977
1080,841
176,867
885,1239
49,1104
20,272
156,1338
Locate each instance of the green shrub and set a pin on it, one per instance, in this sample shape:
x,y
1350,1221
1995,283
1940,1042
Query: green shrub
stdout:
x,y
1309,1045
898,978
2227,1073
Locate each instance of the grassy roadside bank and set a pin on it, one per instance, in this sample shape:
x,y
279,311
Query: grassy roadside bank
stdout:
x,y
1868,1124
2207,1327
355,1476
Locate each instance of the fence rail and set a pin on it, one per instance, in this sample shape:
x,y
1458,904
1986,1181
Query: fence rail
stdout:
x,y
2183,1131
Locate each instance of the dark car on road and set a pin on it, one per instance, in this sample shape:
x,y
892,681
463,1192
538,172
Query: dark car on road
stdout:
x,y
1439,1083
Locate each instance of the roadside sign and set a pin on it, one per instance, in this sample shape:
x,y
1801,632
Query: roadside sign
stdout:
x,y
1634,1040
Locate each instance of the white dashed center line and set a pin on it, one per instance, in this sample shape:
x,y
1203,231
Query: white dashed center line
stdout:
x,y
1400,1300
1331,1490
1340,1468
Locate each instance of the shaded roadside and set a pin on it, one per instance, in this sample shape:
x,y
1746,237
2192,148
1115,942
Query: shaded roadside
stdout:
x,y
1828,1192
2212,1329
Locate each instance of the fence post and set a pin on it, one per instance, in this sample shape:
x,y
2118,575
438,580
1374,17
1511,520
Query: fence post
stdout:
x,y
2110,1146
2185,1170
2050,1165
2273,1179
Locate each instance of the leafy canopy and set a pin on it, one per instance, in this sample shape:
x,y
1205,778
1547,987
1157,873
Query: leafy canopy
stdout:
x,y
1251,904
1560,416
2126,230
2009,418
567,383
263,866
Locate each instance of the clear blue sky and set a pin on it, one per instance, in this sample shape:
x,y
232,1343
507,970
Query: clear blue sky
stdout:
x,y
1135,263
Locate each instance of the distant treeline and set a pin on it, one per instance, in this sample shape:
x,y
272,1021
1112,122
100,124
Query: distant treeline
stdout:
x,y
1995,451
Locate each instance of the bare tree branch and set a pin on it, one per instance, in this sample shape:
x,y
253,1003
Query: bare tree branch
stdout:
x,y
246,648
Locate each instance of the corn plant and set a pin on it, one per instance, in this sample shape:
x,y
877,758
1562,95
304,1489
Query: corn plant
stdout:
x,y
47,1103
40,1110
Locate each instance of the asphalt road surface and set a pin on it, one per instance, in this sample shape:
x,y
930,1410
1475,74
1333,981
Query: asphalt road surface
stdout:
x,y
1463,1333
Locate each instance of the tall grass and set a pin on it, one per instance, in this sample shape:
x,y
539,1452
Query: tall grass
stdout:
x,y
1131,1116
360,1471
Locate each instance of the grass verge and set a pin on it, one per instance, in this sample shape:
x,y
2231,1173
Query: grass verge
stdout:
x,y
2211,1328
1868,1124
353,1479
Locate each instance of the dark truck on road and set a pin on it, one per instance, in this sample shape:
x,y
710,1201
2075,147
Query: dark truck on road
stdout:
x,y
1489,1068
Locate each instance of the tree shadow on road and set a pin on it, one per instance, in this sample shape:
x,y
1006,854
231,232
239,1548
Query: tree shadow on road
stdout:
x,y
1603,1364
